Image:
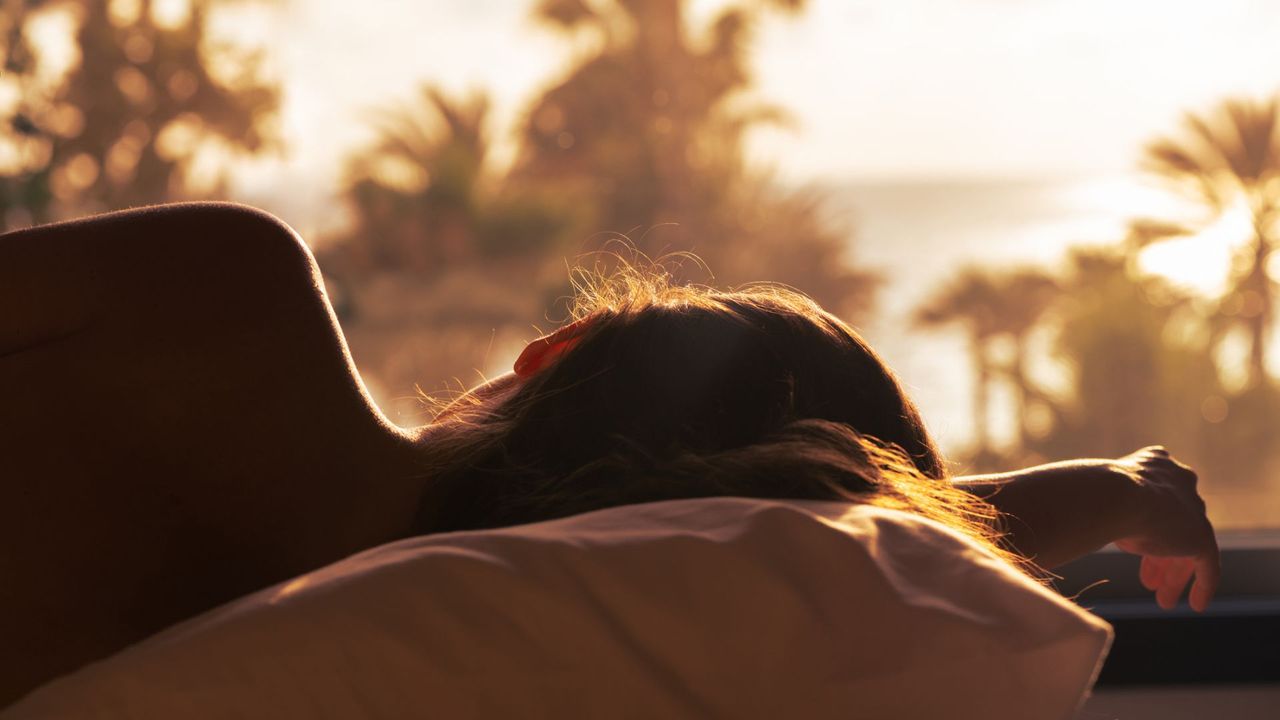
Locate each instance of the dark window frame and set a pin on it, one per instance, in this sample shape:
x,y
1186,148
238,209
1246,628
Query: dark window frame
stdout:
x,y
1236,641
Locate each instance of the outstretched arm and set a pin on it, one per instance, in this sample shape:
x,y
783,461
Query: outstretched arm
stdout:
x,y
1145,502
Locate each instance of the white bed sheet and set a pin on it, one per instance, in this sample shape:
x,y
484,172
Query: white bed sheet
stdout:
x,y
722,607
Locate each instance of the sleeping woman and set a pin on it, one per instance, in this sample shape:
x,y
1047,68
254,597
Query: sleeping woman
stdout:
x,y
181,424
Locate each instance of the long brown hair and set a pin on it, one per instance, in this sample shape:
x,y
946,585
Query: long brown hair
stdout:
x,y
680,392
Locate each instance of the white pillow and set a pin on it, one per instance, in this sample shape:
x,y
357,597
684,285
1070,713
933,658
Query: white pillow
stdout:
x,y
722,607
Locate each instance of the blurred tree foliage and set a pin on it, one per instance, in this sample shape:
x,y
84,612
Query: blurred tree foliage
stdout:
x,y
444,256
642,137
1144,360
647,131
970,300
424,201
111,104
1139,370
1229,160
1139,363
993,306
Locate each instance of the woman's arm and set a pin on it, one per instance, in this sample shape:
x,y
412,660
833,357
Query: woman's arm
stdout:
x,y
1145,502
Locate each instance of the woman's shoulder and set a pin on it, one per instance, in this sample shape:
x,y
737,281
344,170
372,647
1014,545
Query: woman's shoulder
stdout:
x,y
176,395
174,268
143,315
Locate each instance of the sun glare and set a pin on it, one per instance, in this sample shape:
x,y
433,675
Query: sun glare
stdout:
x,y
52,33
1201,262
1118,196
291,588
170,14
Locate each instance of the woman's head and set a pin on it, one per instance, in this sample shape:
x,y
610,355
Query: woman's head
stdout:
x,y
671,392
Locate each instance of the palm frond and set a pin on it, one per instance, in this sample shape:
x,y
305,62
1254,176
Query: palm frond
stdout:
x,y
970,298
1254,127
463,119
565,14
1216,146
792,7
401,132
437,138
1145,231
731,32
1186,169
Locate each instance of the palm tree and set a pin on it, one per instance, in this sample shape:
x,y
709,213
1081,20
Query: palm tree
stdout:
x,y
971,299
1134,372
1229,158
1024,295
414,192
647,132
991,305
423,199
644,124
128,122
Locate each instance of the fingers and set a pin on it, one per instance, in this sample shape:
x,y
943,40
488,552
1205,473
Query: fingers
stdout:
x,y
1158,458
1168,576
1173,534
1157,450
1208,569
1177,573
1151,572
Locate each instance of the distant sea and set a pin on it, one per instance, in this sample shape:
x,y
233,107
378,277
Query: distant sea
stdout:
x,y
919,233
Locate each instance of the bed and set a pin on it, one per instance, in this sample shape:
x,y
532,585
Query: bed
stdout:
x,y
721,607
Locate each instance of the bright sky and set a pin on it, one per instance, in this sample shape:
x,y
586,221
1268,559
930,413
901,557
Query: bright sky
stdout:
x,y
1006,87
897,88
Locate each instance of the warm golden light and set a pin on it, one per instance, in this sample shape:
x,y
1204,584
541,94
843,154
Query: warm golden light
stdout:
x,y
133,85
839,147
10,156
205,169
74,176
293,586
124,13
1202,262
182,85
398,173
170,14
138,48
51,34
178,138
66,120
10,95
19,154
1214,409
122,160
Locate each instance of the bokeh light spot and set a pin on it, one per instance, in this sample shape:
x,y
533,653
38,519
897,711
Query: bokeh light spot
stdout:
x,y
1214,409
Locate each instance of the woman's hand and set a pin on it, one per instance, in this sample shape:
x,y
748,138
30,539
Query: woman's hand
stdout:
x,y
1146,503
1172,532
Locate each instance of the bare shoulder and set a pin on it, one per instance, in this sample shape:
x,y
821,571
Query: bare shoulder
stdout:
x,y
174,395
190,260
143,314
